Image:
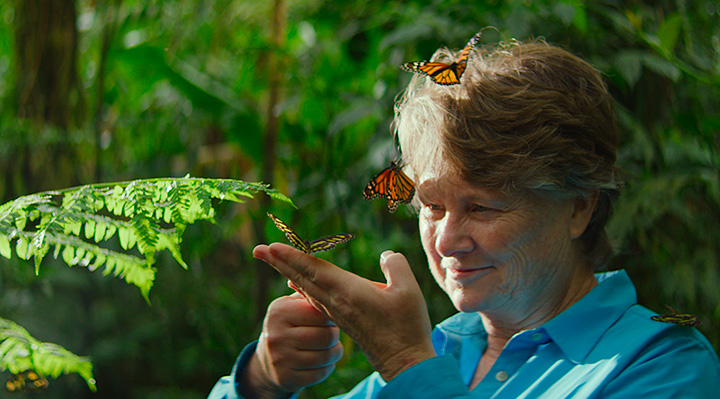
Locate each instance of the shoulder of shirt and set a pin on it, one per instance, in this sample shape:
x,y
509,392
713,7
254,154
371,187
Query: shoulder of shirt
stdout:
x,y
649,337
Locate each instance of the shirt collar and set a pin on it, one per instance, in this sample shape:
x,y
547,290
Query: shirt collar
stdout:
x,y
579,328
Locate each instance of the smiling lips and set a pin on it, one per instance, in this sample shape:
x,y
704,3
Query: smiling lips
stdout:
x,y
462,274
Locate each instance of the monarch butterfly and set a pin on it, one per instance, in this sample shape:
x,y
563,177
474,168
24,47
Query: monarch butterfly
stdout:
x,y
442,73
393,184
28,380
309,247
682,319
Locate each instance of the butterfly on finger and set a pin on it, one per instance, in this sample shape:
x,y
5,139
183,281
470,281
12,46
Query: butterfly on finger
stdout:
x,y
392,184
440,72
310,247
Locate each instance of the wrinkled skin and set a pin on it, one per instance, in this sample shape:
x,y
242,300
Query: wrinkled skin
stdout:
x,y
388,321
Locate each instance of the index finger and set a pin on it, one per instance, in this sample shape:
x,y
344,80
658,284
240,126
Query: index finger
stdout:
x,y
316,277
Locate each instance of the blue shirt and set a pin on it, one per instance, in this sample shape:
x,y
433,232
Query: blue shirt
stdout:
x,y
603,346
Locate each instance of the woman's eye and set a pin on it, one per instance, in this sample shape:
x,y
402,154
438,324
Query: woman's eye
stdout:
x,y
432,207
479,208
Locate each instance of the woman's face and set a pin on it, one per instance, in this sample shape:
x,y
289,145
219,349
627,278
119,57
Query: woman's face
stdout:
x,y
494,253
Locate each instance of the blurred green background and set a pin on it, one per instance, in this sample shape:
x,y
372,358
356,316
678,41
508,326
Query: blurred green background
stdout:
x,y
299,93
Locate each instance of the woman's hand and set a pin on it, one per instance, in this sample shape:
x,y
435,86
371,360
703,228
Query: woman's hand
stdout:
x,y
298,347
388,321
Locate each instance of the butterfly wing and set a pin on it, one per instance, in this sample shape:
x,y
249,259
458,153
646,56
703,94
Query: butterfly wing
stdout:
x,y
28,380
295,239
329,242
465,53
402,189
438,72
392,184
677,318
379,186
442,73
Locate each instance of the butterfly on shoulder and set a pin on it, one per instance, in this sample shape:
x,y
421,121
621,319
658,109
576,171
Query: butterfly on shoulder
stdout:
x,y
682,319
310,247
28,380
440,72
392,184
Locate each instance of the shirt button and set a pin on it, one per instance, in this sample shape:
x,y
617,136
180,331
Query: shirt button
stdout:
x,y
501,376
537,336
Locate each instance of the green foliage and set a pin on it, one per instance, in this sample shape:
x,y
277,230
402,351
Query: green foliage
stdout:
x,y
149,215
19,351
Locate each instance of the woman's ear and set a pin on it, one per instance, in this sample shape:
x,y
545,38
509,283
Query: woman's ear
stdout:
x,y
583,209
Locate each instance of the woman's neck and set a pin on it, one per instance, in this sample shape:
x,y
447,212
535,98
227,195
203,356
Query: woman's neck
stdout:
x,y
501,325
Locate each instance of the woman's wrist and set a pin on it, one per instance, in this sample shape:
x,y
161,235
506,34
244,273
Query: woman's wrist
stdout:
x,y
403,361
254,383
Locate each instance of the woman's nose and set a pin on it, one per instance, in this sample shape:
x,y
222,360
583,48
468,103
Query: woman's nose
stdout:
x,y
452,237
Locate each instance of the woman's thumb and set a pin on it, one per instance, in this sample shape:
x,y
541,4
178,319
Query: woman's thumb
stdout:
x,y
396,269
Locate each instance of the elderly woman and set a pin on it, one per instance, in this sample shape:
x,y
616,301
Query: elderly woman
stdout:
x,y
515,176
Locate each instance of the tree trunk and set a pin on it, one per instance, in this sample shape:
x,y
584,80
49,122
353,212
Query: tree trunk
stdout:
x,y
46,95
276,72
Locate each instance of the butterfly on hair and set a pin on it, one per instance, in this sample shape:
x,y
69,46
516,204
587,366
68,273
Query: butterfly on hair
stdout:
x,y
392,184
440,72
310,247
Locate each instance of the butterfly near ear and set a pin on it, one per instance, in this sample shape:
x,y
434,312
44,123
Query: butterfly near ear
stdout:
x,y
28,380
440,72
392,184
310,247
682,319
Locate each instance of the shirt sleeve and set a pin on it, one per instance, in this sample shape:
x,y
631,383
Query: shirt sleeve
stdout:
x,y
227,387
683,366
436,378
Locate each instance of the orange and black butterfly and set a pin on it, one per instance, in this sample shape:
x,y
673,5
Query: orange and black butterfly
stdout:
x,y
28,380
682,319
440,72
392,184
309,247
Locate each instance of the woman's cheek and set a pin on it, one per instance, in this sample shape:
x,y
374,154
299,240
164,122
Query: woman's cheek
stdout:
x,y
427,236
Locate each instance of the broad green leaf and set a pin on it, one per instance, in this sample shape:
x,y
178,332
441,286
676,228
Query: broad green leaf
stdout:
x,y
22,248
629,64
90,229
662,66
668,33
110,232
73,227
5,249
68,255
100,229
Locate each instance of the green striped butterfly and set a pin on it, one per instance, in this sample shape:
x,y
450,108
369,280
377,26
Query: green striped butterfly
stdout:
x,y
682,319
309,247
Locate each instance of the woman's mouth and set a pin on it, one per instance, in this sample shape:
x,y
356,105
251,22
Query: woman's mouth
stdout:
x,y
467,273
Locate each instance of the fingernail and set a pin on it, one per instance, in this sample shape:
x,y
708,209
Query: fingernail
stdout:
x,y
385,254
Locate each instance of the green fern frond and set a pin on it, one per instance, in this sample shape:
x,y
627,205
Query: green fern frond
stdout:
x,y
76,225
20,351
147,216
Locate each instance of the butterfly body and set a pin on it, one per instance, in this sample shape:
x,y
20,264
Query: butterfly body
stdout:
x,y
392,184
309,247
440,72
